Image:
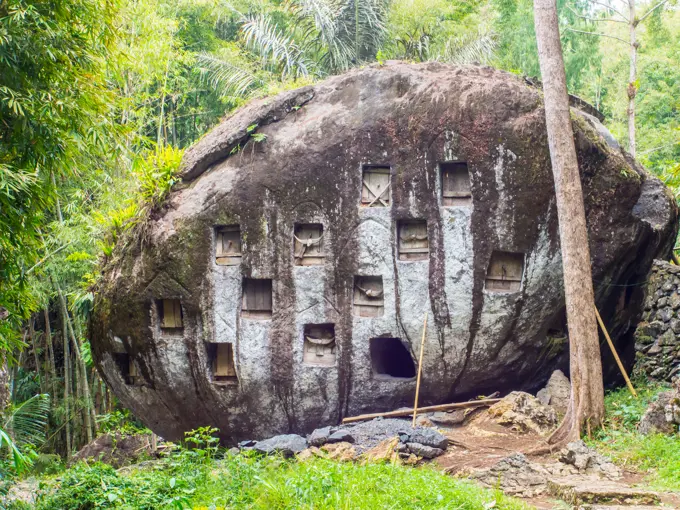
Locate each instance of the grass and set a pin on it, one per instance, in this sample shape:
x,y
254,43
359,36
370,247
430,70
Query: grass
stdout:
x,y
657,455
250,482
322,484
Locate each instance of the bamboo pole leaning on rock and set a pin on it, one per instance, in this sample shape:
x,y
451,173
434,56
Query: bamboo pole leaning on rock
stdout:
x,y
420,371
616,355
428,409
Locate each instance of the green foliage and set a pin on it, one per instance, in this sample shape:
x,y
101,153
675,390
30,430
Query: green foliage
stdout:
x,y
56,111
655,454
121,421
27,422
248,481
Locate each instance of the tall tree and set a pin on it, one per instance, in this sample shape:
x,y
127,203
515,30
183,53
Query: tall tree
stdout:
x,y
587,392
632,20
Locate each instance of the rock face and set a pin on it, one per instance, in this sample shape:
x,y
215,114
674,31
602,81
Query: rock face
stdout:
x,y
523,412
662,415
284,283
657,338
556,393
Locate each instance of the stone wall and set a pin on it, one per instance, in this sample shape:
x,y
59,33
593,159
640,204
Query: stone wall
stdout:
x,y
657,339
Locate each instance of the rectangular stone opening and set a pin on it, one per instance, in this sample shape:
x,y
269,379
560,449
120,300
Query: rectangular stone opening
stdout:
x,y
228,245
455,181
505,272
308,244
413,243
170,314
369,300
391,359
127,367
375,186
319,344
257,298
221,359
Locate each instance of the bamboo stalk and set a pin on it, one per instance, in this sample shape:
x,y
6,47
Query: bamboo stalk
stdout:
x,y
81,378
407,412
31,333
420,370
616,355
67,384
50,351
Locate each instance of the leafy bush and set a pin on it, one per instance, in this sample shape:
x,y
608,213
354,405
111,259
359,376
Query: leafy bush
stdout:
x,y
169,485
656,454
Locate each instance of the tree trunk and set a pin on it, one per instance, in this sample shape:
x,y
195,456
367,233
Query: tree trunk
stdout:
x,y
50,351
81,371
31,333
632,76
587,393
67,385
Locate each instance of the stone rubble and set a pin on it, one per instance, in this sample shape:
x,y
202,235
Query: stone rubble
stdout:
x,y
377,439
523,412
657,338
662,415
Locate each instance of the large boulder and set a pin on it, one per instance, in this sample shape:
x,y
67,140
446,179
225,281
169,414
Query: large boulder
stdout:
x,y
284,282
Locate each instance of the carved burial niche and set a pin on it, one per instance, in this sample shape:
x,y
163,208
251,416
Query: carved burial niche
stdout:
x,y
390,358
228,245
455,183
319,344
505,272
413,243
127,367
221,359
369,300
375,186
257,298
170,315
308,244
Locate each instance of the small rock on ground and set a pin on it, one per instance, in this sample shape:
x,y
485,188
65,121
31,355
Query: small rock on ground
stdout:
x,y
515,475
587,461
286,445
556,393
662,415
424,451
523,412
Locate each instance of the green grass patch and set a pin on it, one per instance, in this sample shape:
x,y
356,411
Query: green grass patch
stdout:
x,y
657,455
250,482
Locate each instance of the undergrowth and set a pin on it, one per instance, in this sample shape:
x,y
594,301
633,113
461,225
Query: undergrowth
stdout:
x,y
658,455
246,481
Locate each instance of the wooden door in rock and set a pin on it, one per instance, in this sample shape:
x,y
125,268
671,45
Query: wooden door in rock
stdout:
x,y
505,272
413,240
369,299
375,186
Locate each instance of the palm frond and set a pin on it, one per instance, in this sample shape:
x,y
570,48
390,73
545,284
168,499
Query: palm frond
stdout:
x,y
362,26
228,78
28,421
480,48
317,20
19,460
277,51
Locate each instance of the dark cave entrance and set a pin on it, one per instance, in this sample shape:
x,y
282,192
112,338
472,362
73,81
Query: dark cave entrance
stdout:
x,y
389,357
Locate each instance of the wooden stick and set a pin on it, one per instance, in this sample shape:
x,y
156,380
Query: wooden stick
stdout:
x,y
675,258
616,356
420,370
407,412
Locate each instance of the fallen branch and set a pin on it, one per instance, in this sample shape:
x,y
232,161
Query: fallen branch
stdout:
x,y
407,412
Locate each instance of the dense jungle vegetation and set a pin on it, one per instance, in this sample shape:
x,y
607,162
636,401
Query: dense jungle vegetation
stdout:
x,y
99,98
